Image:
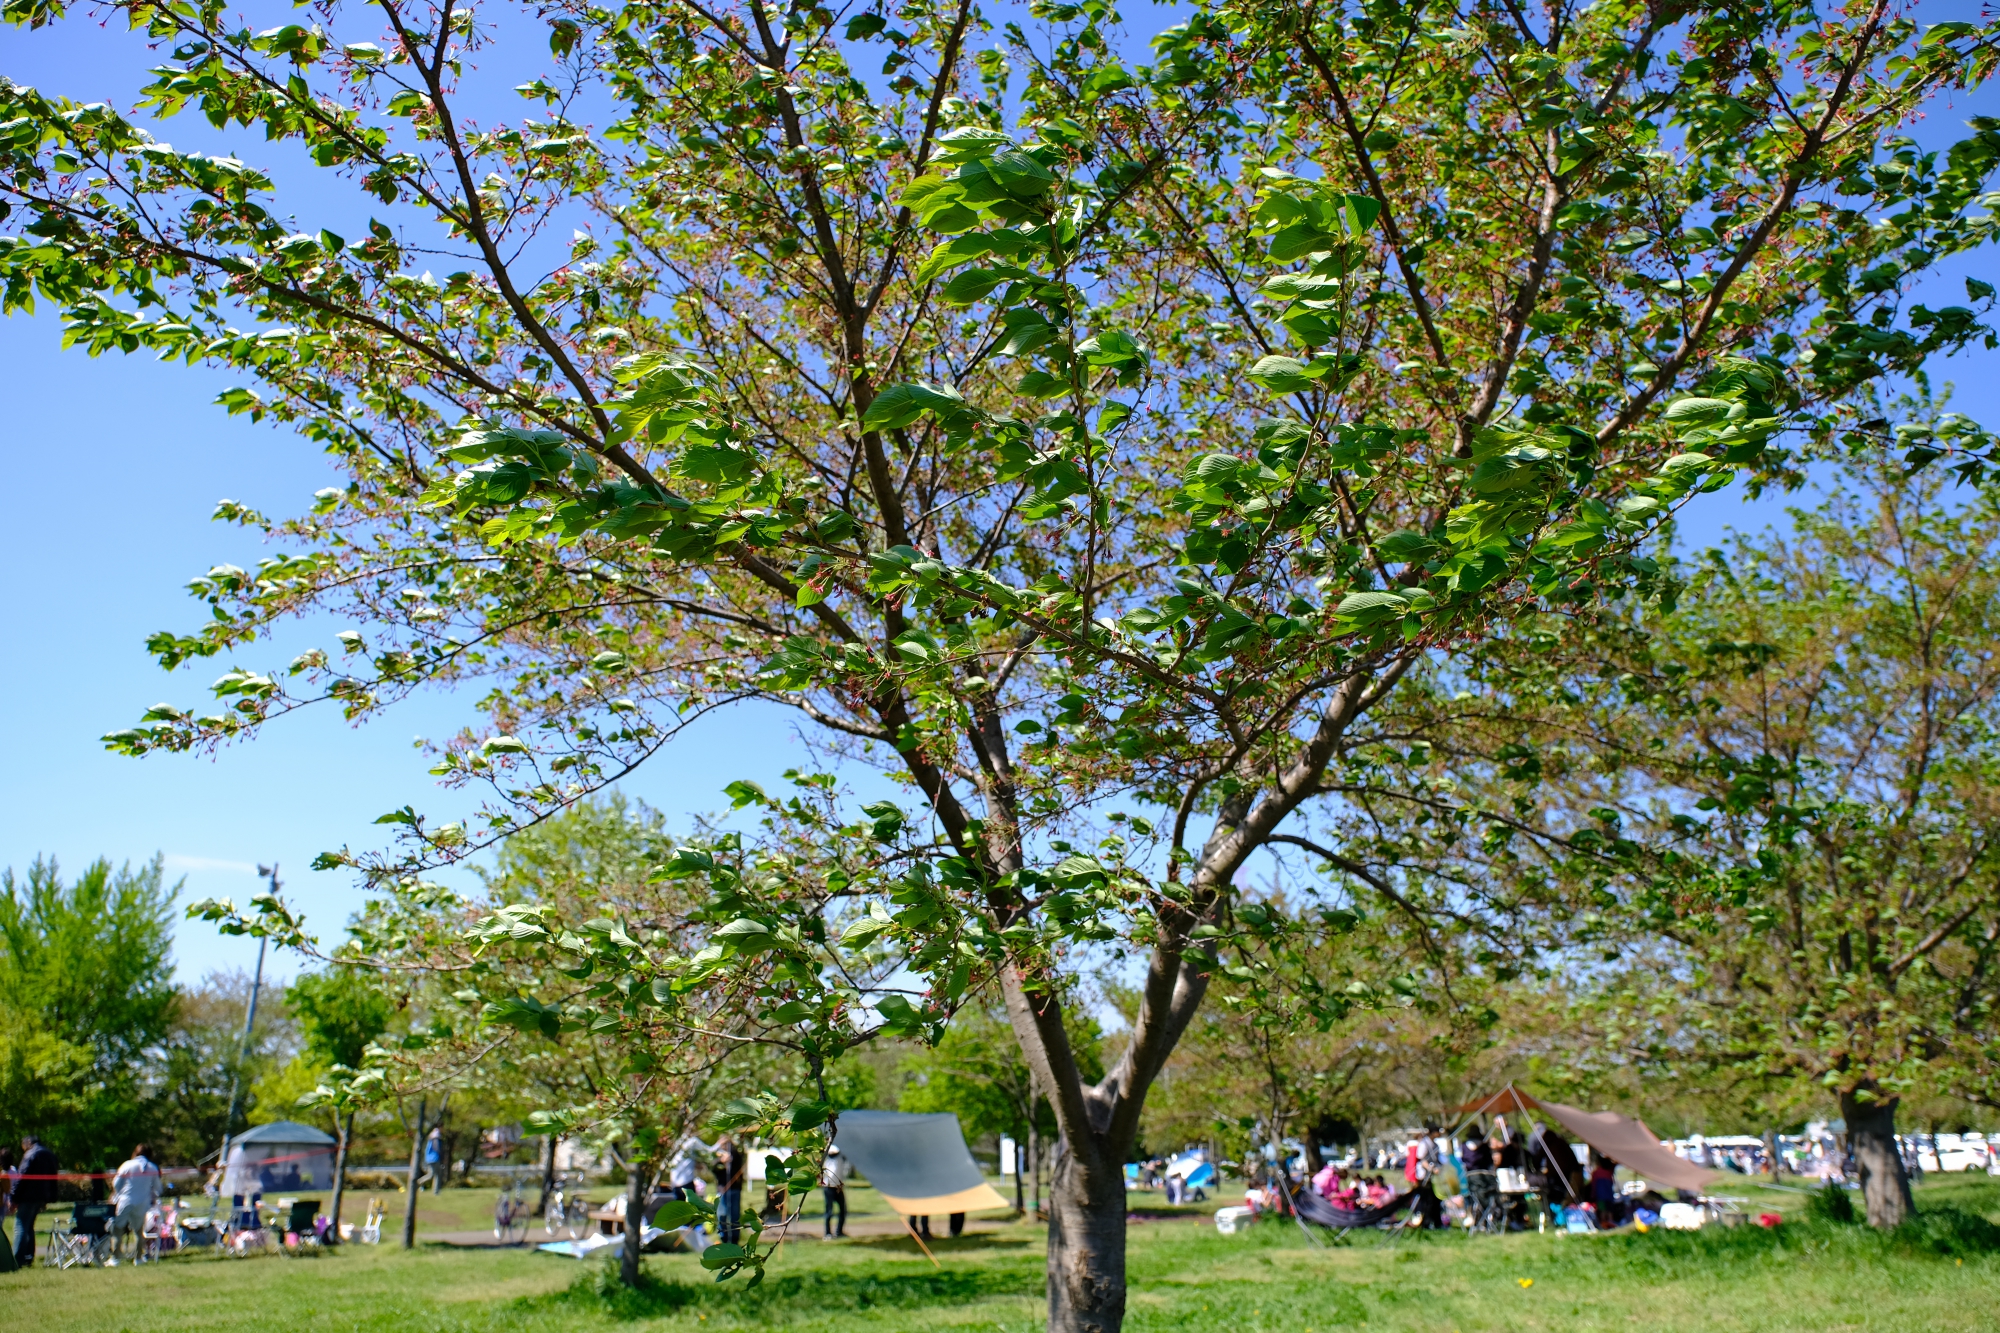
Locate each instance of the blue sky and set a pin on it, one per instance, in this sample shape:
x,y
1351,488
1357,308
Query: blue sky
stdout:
x,y
116,464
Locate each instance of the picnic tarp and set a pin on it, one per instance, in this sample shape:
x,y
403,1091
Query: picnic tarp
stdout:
x,y
1621,1138
919,1164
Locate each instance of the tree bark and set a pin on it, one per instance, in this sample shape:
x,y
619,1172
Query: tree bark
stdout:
x,y
346,1128
1086,1243
1871,1132
443,1172
416,1168
635,1222
548,1174
1035,1165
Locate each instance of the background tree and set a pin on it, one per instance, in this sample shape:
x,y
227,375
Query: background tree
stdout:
x,y
340,1013
86,1000
1788,782
1029,535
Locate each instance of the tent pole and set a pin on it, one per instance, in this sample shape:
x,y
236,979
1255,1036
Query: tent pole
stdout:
x,y
920,1243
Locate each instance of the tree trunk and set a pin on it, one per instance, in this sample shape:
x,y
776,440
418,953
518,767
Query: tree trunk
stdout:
x,y
1035,1166
635,1223
1019,1164
548,1175
1086,1262
346,1128
443,1172
1871,1131
416,1169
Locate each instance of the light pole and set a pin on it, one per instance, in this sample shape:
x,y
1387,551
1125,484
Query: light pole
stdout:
x,y
249,1021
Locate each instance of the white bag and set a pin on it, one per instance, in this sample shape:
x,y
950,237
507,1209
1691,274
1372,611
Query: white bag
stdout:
x,y
1229,1221
1680,1217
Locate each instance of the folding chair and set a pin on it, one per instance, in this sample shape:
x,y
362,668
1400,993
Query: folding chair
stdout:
x,y
371,1227
85,1241
245,1221
299,1223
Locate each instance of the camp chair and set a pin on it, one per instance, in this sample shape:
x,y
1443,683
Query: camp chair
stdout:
x,y
85,1240
299,1222
245,1220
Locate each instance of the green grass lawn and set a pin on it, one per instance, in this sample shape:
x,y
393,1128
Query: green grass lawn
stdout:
x,y
1802,1276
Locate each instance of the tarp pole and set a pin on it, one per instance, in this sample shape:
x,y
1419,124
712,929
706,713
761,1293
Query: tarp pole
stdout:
x,y
911,1228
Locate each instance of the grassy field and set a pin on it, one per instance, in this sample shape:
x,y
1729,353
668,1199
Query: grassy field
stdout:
x,y
1805,1275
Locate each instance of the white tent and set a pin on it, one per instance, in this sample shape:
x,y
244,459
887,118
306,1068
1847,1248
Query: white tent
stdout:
x,y
282,1157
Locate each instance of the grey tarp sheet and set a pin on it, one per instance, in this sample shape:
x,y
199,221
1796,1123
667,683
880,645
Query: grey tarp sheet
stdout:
x,y
918,1163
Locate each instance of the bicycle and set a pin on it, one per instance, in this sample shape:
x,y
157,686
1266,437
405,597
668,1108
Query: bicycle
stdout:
x,y
1489,1208
565,1211
510,1216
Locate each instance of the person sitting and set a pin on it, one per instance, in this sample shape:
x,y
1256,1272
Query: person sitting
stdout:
x,y
1346,1193
1375,1194
1326,1181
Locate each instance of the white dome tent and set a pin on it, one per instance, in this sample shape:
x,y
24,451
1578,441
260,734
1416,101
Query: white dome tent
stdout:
x,y
281,1156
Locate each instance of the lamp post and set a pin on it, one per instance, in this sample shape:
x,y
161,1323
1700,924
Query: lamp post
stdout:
x,y
270,872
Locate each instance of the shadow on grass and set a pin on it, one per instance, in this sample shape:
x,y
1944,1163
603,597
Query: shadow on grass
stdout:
x,y
600,1292
941,1246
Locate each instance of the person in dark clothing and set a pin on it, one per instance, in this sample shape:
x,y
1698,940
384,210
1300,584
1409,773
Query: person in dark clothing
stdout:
x,y
35,1191
1604,1191
729,1171
1482,1183
958,1224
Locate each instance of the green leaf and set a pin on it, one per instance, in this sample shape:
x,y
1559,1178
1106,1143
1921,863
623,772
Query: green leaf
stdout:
x,y
1690,412
951,253
1020,174
901,404
1285,374
721,1256
976,284
1359,212
1360,610
675,1213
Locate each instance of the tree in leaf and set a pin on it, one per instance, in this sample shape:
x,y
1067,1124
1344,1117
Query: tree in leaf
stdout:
x,y
86,1000
340,1013
1773,807
1073,432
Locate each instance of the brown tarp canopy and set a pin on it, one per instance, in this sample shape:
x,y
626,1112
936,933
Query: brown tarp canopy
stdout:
x,y
1624,1140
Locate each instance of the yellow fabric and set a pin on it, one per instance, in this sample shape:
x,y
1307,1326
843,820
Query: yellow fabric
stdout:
x,y
978,1199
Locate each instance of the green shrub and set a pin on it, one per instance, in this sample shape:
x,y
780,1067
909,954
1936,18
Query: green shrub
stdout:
x,y
1952,1233
1831,1204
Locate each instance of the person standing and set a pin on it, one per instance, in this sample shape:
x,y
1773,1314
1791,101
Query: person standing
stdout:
x,y
1482,1181
34,1191
134,1190
729,1167
833,1176
433,1161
